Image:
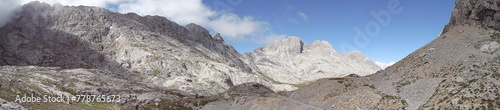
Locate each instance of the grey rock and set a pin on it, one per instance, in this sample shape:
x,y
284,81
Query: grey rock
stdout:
x,y
290,61
7,105
490,48
459,79
485,12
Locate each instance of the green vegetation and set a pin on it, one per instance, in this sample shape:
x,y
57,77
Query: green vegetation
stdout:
x,y
372,87
179,104
156,72
137,72
280,91
396,98
300,85
269,78
336,78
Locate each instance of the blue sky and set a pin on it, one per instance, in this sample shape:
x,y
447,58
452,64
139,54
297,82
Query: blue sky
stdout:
x,y
249,24
419,22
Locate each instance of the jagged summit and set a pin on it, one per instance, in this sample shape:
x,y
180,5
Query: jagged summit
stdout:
x,y
288,46
218,37
199,32
322,45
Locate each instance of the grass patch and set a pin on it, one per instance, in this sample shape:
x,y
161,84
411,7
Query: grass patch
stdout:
x,y
300,85
280,91
336,78
137,72
390,97
156,72
372,87
179,104
269,78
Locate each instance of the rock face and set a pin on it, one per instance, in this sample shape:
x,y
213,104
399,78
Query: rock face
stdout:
x,y
290,61
485,12
457,70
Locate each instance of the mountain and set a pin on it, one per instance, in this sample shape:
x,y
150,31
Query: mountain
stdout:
x,y
149,49
150,61
457,70
290,61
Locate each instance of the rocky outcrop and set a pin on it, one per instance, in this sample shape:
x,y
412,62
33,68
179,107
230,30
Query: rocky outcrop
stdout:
x,y
290,61
490,48
485,12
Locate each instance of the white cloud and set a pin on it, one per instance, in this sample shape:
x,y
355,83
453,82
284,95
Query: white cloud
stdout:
x,y
266,36
98,3
7,7
229,25
180,11
384,65
233,26
303,15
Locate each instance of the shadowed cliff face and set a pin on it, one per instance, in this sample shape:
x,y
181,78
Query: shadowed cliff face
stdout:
x,y
485,12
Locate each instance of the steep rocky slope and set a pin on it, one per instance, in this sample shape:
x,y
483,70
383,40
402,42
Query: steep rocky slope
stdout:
x,y
291,61
457,70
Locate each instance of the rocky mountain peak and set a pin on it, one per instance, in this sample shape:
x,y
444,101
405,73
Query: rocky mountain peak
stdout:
x,y
36,5
356,55
218,37
486,12
290,46
199,34
321,44
197,30
323,47
290,61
